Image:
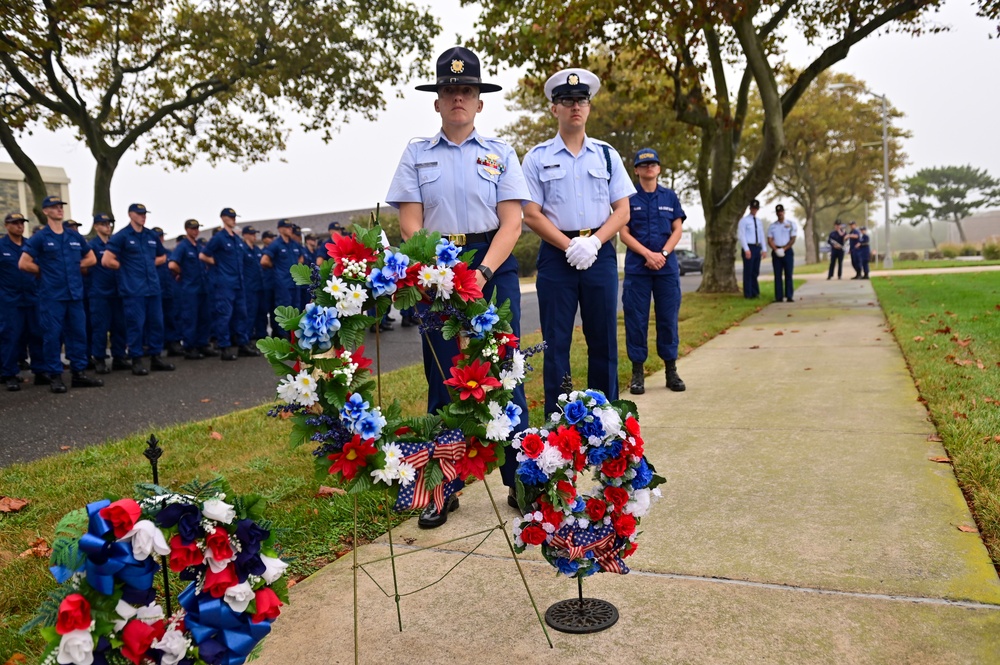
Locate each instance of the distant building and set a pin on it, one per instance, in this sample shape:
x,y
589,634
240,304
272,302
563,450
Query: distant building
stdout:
x,y
977,227
15,195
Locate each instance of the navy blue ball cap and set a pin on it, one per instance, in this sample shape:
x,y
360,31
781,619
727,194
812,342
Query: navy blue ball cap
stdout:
x,y
335,226
50,201
779,208
158,231
285,224
13,218
755,204
72,222
458,66
647,156
192,224
138,209
103,218
228,212
248,230
267,234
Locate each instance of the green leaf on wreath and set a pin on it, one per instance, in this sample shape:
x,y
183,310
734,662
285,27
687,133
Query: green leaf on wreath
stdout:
x,y
408,296
301,434
321,470
451,328
335,394
287,317
301,274
276,347
476,308
433,475
626,408
361,483
363,382
503,311
352,331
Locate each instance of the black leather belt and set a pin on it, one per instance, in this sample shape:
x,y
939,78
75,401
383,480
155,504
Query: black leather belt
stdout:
x,y
582,233
753,244
462,239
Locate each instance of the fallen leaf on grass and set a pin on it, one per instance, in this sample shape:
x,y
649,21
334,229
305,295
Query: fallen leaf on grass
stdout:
x,y
942,460
936,438
959,416
943,331
16,659
206,400
284,415
918,338
722,332
964,342
979,364
216,436
64,448
778,333
755,346
325,491
967,529
808,368
38,548
291,583
236,403
9,504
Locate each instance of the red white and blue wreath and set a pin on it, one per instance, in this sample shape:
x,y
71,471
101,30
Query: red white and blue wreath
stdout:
x,y
594,530
106,610
327,384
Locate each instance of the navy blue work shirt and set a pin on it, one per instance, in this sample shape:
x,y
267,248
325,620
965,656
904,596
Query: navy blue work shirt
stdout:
x,y
17,288
651,223
58,256
227,250
193,269
836,239
168,285
136,252
253,272
283,256
103,281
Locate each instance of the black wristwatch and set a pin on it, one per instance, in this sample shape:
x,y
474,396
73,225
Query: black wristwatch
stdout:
x,y
487,273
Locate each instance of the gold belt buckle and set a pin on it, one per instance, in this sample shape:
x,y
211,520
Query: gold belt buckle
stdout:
x,y
584,233
457,239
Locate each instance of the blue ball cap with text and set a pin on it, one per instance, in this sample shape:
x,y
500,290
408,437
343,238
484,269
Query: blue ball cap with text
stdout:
x,y
248,230
138,209
228,212
284,224
50,201
647,156
103,218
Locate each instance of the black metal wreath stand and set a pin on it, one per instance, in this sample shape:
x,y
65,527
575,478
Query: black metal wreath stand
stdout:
x,y
581,615
153,452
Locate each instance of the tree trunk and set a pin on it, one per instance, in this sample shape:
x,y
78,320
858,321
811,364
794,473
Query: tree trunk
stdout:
x,y
103,174
812,237
930,227
27,167
719,271
961,231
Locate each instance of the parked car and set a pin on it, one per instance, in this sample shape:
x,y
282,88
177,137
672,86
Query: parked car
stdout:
x,y
688,261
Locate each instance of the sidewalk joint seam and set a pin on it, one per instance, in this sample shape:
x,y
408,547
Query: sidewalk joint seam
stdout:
x,y
922,600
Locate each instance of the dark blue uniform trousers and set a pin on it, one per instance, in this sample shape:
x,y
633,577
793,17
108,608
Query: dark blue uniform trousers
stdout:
x,y
171,326
258,315
665,290
194,314
251,299
230,317
107,314
63,320
836,259
866,257
856,262
143,325
561,287
751,270
783,266
16,325
507,287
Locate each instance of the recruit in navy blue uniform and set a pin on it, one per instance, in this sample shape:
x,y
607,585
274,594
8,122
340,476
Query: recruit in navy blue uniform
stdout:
x,y
469,188
107,312
18,307
579,201
194,300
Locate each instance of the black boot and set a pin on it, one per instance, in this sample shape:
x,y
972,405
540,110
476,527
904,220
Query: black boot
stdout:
x,y
120,364
174,349
248,351
56,384
101,366
193,354
207,351
13,383
637,385
512,498
229,353
432,519
673,381
81,380
157,364
43,380
139,367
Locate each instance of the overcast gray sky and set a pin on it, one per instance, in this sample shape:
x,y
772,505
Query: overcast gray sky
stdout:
x,y
945,84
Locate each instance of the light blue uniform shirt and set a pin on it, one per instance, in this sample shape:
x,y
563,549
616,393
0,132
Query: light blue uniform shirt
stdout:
x,y
575,191
458,185
782,233
750,231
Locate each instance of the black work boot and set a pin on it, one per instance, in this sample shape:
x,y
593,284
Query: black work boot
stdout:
x,y
207,351
81,380
174,349
101,366
119,364
229,353
139,367
13,383
637,385
193,354
157,364
56,384
432,519
248,351
673,381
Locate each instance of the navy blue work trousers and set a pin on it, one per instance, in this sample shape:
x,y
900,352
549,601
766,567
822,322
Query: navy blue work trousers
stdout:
x,y
107,318
17,325
783,266
230,317
143,325
194,313
664,290
751,270
562,289
63,321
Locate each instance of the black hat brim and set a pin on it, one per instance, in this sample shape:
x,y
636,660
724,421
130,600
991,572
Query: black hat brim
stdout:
x,y
483,87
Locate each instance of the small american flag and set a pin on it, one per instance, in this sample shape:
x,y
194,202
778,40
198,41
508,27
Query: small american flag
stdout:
x,y
447,449
576,542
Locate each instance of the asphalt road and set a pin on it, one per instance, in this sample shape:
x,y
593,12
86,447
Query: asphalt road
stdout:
x,y
37,423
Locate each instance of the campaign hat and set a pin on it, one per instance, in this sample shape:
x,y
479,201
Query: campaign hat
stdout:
x,y
458,66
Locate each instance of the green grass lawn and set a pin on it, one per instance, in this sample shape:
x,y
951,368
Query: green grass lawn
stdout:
x,y
820,268
949,329
254,455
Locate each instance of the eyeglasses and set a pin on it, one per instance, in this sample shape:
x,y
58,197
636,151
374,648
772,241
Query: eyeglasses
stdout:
x,y
569,102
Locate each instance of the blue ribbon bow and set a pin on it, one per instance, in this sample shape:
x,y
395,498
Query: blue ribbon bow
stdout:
x,y
212,623
108,560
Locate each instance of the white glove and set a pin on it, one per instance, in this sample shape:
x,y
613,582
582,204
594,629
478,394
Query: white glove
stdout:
x,y
591,245
586,263
575,253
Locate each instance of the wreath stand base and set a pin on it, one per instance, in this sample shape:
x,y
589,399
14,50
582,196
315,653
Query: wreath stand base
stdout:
x,y
500,525
581,615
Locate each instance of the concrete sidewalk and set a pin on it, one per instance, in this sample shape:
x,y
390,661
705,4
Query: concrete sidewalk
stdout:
x,y
802,522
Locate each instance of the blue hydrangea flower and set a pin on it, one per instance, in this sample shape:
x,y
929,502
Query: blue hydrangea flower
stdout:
x,y
369,426
483,323
530,473
598,396
395,265
567,566
355,408
579,505
446,252
643,475
616,448
597,456
592,427
382,282
513,412
317,326
575,412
